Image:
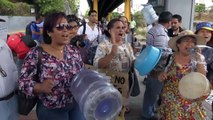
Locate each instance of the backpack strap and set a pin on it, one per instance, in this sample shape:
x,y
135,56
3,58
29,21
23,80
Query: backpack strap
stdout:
x,y
84,28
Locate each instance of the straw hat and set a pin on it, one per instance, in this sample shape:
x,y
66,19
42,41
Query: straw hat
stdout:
x,y
193,85
199,40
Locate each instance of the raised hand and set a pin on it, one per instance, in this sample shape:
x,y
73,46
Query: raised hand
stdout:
x,y
114,44
162,76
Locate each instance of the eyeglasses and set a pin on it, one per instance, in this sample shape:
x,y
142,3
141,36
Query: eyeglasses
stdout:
x,y
75,27
61,26
2,72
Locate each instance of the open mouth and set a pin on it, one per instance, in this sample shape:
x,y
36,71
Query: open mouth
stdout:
x,y
206,37
120,34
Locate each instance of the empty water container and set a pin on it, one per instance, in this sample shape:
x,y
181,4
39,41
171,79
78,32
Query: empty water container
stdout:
x,y
149,14
97,98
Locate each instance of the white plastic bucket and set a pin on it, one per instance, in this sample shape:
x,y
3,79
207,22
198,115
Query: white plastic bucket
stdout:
x,y
149,14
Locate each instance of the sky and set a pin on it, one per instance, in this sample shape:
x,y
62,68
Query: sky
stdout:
x,y
208,3
84,6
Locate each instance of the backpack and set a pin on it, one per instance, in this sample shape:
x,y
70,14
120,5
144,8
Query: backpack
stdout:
x,y
28,28
20,44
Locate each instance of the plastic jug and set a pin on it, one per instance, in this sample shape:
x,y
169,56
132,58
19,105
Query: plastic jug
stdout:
x,y
149,14
97,98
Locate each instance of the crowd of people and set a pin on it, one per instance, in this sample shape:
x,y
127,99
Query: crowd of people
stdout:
x,y
62,44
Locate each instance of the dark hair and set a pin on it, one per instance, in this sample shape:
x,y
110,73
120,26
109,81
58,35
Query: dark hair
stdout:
x,y
73,18
110,25
49,23
38,16
176,16
165,17
91,11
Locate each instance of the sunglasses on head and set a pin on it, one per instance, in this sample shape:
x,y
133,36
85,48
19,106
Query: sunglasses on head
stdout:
x,y
61,26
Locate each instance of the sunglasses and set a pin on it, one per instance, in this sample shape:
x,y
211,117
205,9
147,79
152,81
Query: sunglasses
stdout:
x,y
61,26
2,72
75,27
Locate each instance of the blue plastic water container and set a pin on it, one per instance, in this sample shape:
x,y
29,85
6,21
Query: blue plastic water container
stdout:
x,y
147,59
97,98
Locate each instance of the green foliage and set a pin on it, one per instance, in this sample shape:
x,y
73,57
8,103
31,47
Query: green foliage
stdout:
x,y
115,15
15,9
139,19
74,4
6,7
86,14
200,8
48,6
25,11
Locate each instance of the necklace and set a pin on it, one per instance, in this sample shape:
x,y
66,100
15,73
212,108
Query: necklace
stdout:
x,y
61,50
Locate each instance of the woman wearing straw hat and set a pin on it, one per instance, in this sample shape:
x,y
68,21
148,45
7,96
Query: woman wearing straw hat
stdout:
x,y
174,106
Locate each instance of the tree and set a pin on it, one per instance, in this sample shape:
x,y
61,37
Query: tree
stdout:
x,y
74,5
139,19
200,8
48,6
6,7
115,14
15,8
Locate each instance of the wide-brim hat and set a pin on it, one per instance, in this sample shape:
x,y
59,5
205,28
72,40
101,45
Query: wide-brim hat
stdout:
x,y
204,25
193,85
173,42
2,20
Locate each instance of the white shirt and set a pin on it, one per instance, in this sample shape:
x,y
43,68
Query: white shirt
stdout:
x,y
91,34
8,83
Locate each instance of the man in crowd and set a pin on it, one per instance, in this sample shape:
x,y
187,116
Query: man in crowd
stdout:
x,y
157,37
176,26
92,32
36,33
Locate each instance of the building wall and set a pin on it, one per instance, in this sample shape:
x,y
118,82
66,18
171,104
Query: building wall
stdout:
x,y
185,8
17,23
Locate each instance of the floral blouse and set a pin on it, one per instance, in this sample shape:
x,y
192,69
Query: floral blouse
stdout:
x,y
173,105
61,71
121,62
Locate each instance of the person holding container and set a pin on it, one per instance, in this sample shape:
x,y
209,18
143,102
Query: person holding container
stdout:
x,y
183,61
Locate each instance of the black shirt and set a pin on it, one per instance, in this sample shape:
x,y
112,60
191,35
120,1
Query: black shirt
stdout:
x,y
171,34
